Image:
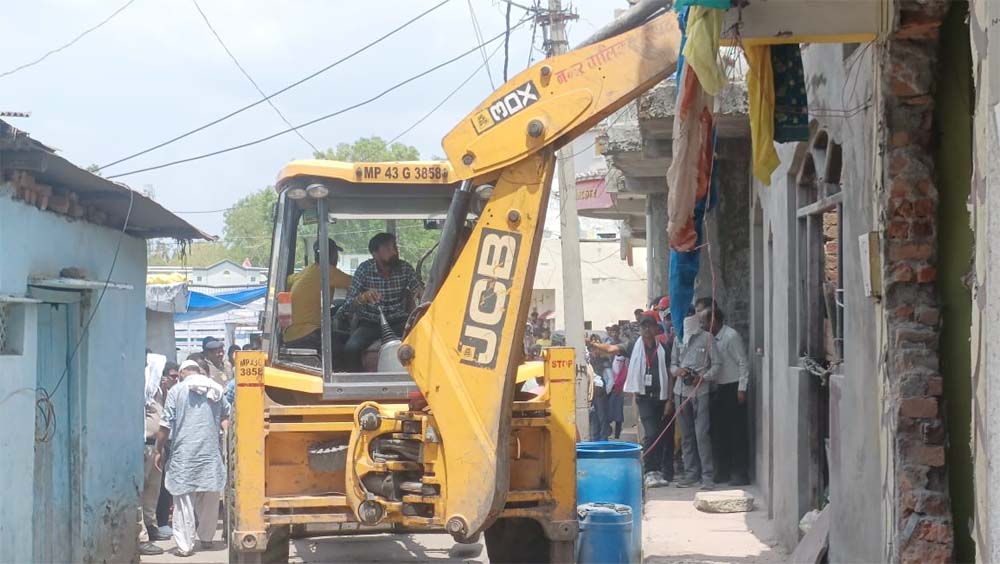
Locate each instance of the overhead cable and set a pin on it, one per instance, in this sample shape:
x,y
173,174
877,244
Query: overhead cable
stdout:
x,y
479,37
70,44
247,74
446,98
365,102
339,61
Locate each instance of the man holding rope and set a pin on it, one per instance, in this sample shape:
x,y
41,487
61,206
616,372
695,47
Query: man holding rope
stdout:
x,y
694,365
649,379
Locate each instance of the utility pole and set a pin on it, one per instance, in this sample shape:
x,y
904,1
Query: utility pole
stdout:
x,y
569,233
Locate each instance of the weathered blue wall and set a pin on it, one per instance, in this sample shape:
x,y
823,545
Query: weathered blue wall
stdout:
x,y
107,429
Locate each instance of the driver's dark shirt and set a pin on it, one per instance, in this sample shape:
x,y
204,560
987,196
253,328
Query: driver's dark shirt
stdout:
x,y
393,287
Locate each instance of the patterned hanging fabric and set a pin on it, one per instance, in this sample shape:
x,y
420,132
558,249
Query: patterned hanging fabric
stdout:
x,y
791,106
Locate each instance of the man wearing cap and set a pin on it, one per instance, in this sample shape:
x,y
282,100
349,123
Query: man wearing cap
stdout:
x,y
195,411
648,378
663,313
307,302
214,352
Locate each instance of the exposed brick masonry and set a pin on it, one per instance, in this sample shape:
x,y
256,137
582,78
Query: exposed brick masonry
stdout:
x,y
924,530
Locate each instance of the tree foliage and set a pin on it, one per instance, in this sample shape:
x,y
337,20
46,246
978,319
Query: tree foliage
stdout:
x,y
249,226
353,234
370,149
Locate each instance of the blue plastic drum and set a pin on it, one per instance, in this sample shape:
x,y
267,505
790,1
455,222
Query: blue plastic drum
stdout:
x,y
605,534
611,472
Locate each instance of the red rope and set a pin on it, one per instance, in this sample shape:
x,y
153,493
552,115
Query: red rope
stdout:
x,y
711,339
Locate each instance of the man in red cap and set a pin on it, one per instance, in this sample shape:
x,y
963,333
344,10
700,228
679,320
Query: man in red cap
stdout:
x,y
648,377
663,313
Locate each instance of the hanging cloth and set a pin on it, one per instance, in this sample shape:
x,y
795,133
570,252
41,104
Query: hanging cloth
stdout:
x,y
760,86
701,49
691,163
791,105
684,265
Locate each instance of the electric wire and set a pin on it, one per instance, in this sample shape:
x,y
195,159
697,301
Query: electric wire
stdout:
x,y
522,6
446,98
531,47
299,82
310,122
70,44
479,37
246,74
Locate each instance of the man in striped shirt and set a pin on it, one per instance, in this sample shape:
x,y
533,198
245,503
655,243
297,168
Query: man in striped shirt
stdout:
x,y
382,285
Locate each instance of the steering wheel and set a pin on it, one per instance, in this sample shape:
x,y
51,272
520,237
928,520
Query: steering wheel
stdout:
x,y
337,312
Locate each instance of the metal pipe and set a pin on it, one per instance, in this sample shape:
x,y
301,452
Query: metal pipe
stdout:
x,y
632,18
326,325
453,224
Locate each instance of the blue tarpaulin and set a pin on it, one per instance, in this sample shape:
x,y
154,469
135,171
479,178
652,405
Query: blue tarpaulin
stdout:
x,y
202,305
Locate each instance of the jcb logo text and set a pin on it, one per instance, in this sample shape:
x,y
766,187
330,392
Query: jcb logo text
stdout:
x,y
488,297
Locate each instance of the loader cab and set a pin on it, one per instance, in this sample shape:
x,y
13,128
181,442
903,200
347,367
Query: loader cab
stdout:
x,y
320,200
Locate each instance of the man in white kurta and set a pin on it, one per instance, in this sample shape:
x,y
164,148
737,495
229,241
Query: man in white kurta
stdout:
x,y
195,411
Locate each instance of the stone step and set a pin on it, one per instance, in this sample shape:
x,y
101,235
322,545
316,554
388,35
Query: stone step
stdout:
x,y
724,501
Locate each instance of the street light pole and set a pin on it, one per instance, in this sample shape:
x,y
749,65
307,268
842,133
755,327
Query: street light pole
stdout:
x,y
569,232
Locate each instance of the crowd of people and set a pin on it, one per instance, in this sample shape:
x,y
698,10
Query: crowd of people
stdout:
x,y
187,410
690,390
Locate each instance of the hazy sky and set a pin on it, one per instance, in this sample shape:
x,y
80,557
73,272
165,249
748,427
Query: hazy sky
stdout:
x,y
156,71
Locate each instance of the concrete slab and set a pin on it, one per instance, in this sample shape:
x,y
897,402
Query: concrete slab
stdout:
x,y
675,532
724,501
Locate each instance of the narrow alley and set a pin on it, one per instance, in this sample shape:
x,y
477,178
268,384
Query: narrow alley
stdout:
x,y
675,532
560,281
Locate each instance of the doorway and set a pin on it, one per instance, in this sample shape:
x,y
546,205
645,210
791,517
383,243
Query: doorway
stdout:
x,y
55,456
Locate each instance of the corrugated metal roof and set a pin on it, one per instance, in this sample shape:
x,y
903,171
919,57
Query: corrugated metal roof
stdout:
x,y
148,220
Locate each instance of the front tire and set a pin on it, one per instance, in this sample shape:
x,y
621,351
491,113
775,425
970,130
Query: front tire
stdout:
x,y
517,540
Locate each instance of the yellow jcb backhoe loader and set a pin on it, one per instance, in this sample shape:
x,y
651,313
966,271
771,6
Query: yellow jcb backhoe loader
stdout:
x,y
454,434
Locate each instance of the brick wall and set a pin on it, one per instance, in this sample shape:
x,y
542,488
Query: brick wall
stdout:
x,y
923,529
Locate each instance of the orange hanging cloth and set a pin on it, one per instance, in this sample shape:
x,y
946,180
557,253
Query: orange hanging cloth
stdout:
x,y
691,166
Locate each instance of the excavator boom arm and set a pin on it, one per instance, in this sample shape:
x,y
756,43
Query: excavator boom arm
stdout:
x,y
557,99
464,351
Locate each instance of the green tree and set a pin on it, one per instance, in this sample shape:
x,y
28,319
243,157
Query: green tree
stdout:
x,y
249,224
370,149
201,253
353,234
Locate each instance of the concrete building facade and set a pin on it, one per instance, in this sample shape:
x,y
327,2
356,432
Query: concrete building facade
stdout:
x,y
71,355
868,310
612,288
223,274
